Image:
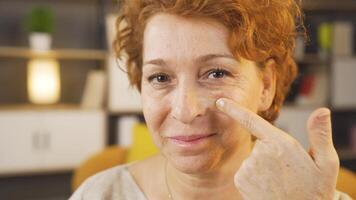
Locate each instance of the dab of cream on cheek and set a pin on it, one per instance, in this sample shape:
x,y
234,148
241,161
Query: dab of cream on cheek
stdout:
x,y
209,100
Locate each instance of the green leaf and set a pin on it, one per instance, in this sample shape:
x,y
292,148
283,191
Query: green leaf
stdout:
x,y
40,19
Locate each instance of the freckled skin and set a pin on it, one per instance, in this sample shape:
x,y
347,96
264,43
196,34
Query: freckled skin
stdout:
x,y
185,105
188,105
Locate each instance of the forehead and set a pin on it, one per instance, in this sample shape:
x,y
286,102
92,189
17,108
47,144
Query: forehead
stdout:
x,y
168,35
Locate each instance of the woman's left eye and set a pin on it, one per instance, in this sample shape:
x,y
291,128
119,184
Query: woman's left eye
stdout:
x,y
218,73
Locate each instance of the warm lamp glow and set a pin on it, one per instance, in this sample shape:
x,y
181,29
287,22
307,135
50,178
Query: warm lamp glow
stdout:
x,y
43,81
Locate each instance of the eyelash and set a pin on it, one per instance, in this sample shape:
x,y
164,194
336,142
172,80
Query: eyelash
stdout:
x,y
155,76
215,70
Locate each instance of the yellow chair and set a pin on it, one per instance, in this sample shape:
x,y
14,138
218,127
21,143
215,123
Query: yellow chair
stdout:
x,y
141,148
142,144
109,157
346,182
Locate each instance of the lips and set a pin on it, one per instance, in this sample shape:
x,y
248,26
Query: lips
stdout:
x,y
191,138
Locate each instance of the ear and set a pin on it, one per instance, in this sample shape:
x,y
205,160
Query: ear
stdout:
x,y
268,77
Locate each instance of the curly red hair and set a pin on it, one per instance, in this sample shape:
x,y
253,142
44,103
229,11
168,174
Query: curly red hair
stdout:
x,y
259,30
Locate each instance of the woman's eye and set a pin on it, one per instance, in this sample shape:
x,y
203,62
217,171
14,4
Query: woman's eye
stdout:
x,y
217,73
159,78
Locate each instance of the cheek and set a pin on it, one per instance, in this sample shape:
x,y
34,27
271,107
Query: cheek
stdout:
x,y
232,131
155,110
157,106
247,96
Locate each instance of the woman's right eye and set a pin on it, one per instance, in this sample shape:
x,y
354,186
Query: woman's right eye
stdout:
x,y
159,78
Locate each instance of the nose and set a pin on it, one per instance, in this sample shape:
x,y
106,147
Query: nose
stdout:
x,y
186,104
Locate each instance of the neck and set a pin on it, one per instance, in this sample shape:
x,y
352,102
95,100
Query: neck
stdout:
x,y
214,184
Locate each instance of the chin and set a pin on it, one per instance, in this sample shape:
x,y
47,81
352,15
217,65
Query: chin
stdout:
x,y
194,164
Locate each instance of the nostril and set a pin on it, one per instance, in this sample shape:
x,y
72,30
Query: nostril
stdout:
x,y
185,114
189,103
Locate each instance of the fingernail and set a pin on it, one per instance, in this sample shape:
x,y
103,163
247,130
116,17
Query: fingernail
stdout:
x,y
220,103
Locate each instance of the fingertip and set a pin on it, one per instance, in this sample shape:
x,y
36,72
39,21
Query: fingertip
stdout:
x,y
319,117
323,114
320,114
320,132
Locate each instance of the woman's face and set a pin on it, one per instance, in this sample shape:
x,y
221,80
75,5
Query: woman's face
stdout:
x,y
187,66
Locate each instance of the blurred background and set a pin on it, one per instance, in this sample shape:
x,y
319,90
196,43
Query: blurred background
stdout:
x,y
67,111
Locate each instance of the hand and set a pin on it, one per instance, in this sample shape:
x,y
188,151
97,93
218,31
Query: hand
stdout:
x,y
278,166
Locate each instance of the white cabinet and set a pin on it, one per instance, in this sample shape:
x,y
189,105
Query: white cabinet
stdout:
x,y
38,141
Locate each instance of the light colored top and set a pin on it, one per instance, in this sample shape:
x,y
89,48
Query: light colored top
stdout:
x,y
117,183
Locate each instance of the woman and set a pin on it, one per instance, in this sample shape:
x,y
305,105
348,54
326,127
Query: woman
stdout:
x,y
213,75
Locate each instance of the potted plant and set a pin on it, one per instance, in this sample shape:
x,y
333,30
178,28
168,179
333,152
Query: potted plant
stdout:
x,y
40,27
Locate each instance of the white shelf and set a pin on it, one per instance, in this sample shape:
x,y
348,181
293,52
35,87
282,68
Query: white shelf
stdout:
x,y
122,113
74,54
55,107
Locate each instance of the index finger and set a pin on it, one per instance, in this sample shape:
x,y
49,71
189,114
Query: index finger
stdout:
x,y
255,124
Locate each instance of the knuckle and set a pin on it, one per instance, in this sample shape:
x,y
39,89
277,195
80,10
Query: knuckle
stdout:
x,y
273,149
257,149
248,121
331,162
246,167
255,152
334,162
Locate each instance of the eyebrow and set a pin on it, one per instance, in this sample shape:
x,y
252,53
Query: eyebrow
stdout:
x,y
208,57
200,59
